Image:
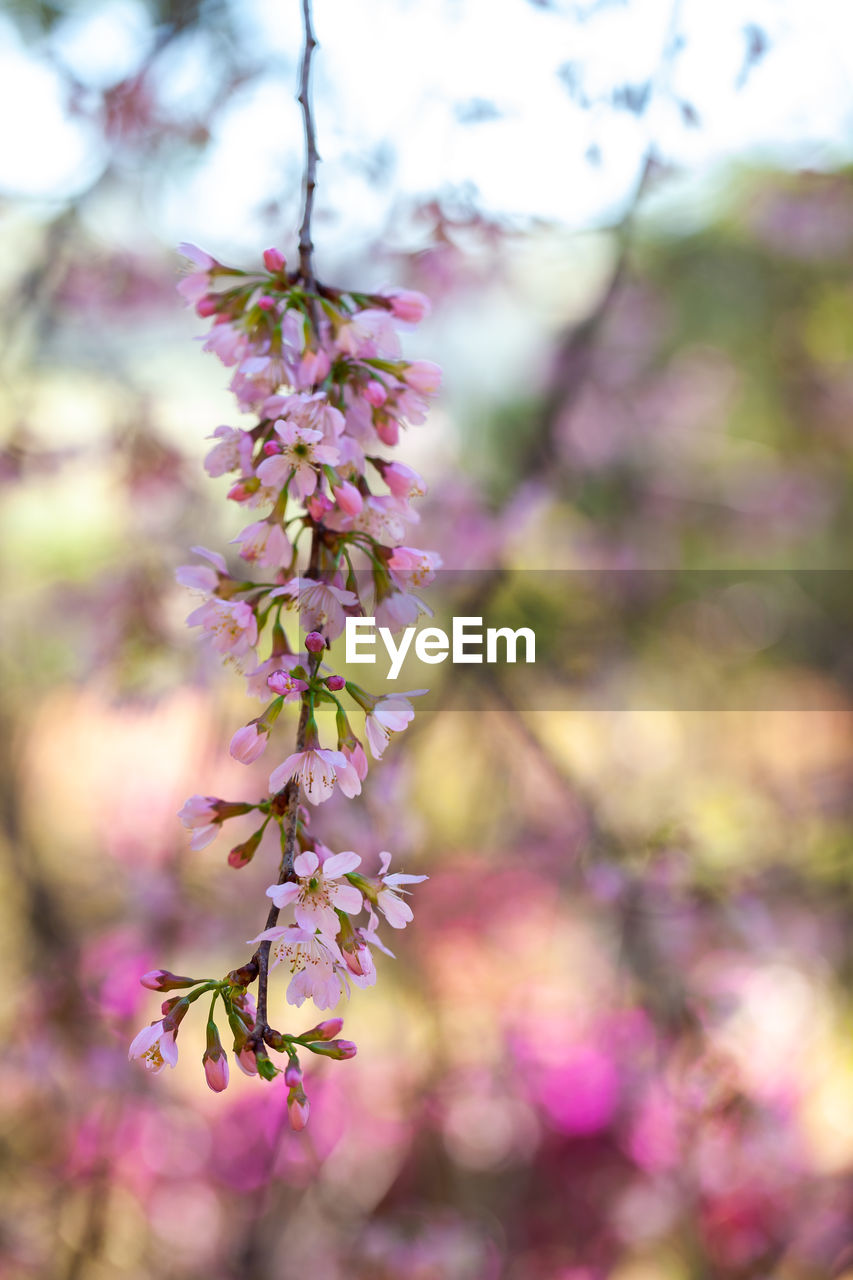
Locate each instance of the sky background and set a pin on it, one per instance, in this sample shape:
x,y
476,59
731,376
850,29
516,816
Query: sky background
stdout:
x,y
510,103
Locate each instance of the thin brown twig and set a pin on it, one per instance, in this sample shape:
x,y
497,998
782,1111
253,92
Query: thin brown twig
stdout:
x,y
306,246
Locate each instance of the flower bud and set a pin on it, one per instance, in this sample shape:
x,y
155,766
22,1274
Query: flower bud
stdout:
x,y
215,1061
314,642
297,1108
423,376
375,394
246,1060
339,1049
335,683
274,260
242,854
207,306
271,448
266,303
163,980
248,744
348,498
408,305
293,1073
326,1030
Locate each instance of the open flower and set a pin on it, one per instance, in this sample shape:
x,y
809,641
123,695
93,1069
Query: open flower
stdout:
x,y
389,715
317,770
314,960
321,605
201,816
302,452
230,625
396,911
316,896
156,1047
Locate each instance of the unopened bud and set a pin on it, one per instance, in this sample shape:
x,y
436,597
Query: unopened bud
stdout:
x,y
207,306
292,1073
326,1030
297,1108
242,854
215,1061
274,260
163,980
266,303
335,683
314,642
339,1049
271,448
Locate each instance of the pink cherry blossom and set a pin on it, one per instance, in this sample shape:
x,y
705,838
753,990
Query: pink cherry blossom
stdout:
x,y
412,567
396,911
404,482
265,543
398,610
423,376
286,685
256,680
314,960
231,626
408,305
316,770
321,604
348,498
302,452
155,1047
232,453
389,715
199,577
316,897
200,815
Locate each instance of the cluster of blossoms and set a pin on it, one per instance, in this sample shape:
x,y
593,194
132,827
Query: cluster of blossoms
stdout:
x,y
321,371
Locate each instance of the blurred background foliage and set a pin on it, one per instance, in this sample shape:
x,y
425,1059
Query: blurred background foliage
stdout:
x,y
617,1041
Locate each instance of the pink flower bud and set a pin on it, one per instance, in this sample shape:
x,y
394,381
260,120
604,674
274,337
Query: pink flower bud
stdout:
x,y
375,394
297,1109
335,683
216,1073
423,376
163,980
216,1070
246,1061
326,1030
238,492
274,260
318,505
248,744
208,305
292,1074
266,303
409,306
339,1049
272,447
348,498
314,642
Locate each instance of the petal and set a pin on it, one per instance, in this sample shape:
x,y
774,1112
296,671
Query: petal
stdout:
x,y
397,912
340,864
270,935
347,898
305,865
282,894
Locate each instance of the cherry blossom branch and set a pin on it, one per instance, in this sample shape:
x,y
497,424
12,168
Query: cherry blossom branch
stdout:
x,y
321,369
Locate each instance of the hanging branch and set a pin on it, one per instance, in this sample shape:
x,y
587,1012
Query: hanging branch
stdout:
x,y
321,369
